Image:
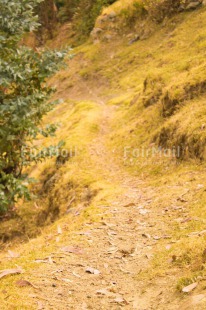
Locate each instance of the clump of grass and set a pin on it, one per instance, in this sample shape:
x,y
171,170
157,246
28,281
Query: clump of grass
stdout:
x,y
185,131
131,14
152,91
59,187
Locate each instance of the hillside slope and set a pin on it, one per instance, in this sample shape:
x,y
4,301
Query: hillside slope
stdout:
x,y
123,203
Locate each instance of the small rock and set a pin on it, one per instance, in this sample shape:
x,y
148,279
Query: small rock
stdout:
x,y
143,211
193,5
135,39
112,15
189,288
92,270
96,42
103,19
107,37
200,186
95,32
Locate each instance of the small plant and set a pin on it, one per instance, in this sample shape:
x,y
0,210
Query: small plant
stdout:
x,y
83,14
159,9
131,14
23,99
182,282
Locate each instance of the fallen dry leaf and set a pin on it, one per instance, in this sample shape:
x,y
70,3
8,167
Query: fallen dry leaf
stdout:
x,y
23,283
143,211
146,236
84,306
189,288
59,230
192,302
124,271
57,271
32,296
92,270
76,275
50,260
189,219
127,250
141,223
120,300
84,233
149,256
72,249
131,204
7,272
40,305
112,250
13,254
197,298
197,233
104,292
66,280
156,237
166,237
45,260
112,233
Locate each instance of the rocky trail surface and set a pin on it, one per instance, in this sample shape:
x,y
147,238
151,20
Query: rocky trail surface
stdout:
x,y
107,262
100,270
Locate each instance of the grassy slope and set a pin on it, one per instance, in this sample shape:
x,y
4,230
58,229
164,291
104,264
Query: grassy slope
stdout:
x,y
172,60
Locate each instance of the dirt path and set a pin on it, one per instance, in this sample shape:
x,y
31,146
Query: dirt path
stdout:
x,y
116,249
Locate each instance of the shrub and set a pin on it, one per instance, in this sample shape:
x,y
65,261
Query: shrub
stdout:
x,y
159,9
131,14
83,13
23,98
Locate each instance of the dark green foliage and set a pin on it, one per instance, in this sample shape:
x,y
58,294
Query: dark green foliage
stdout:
x,y
47,12
83,13
67,9
23,98
86,14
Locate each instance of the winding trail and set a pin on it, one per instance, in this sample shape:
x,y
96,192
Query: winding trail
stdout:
x,y
118,247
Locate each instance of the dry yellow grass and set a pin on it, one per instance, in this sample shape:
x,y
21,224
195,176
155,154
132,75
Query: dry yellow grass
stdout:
x,y
178,61
120,5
